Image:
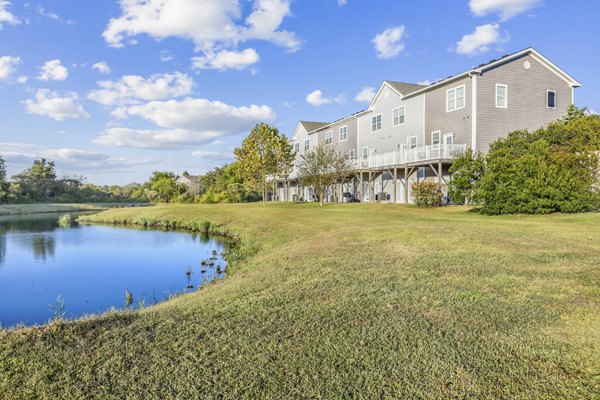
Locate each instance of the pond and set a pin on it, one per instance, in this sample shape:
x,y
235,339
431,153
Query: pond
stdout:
x,y
49,269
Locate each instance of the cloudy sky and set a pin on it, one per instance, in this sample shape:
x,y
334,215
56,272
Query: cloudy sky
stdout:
x,y
115,89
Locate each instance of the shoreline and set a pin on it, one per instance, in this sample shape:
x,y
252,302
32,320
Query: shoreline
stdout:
x,y
40,208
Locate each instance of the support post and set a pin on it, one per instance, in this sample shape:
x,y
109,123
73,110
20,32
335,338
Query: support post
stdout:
x,y
360,186
405,185
395,185
440,173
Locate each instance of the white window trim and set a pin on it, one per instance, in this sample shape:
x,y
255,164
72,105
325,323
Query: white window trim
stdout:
x,y
450,134
439,137
329,133
363,153
416,142
305,146
352,154
340,133
464,98
547,92
297,147
505,95
380,123
404,115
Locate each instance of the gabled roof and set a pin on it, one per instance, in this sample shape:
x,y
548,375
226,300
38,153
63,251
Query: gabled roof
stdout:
x,y
312,126
404,88
191,178
500,61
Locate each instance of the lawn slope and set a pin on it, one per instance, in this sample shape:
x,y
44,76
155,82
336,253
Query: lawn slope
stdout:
x,y
345,301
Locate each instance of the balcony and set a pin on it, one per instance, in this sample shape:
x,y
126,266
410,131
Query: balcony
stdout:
x,y
431,153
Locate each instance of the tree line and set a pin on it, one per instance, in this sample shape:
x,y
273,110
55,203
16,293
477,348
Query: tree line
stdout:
x,y
40,184
264,157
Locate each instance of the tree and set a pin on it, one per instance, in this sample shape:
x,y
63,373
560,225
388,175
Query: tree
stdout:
x,y
321,168
467,170
264,155
573,112
164,185
3,181
38,182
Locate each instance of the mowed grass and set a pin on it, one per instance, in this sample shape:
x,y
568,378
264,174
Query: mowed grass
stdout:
x,y
345,301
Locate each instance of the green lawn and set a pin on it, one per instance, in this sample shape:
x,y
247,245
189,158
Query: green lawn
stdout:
x,y
345,301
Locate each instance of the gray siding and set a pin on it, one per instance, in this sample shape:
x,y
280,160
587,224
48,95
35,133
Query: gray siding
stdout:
x,y
391,138
526,99
457,122
341,146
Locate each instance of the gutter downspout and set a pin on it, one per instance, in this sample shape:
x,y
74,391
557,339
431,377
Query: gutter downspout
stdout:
x,y
474,110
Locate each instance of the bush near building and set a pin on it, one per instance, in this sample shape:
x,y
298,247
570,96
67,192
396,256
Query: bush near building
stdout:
x,y
553,169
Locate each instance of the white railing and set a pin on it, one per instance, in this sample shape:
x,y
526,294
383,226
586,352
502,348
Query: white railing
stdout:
x,y
411,156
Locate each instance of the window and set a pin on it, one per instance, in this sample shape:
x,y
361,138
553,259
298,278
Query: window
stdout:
x,y
455,98
376,123
398,114
501,96
343,133
435,137
365,153
306,145
551,99
352,154
412,142
328,137
296,147
449,138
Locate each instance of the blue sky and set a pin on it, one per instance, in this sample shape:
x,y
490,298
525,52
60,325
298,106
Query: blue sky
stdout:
x,y
116,90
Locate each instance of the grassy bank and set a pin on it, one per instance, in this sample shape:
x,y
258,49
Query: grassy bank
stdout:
x,y
344,301
18,209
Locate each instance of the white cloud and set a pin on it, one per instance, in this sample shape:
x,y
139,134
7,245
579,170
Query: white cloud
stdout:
x,y
342,2
225,60
213,155
215,25
53,71
73,154
315,98
8,65
365,95
389,43
166,56
22,79
132,88
505,9
53,16
480,40
426,82
185,122
101,67
53,105
73,159
591,111
6,16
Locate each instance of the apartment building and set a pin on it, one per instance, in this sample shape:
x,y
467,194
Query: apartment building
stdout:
x,y
411,132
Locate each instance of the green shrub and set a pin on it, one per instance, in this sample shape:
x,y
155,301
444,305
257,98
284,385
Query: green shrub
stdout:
x,y
466,170
554,169
427,194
